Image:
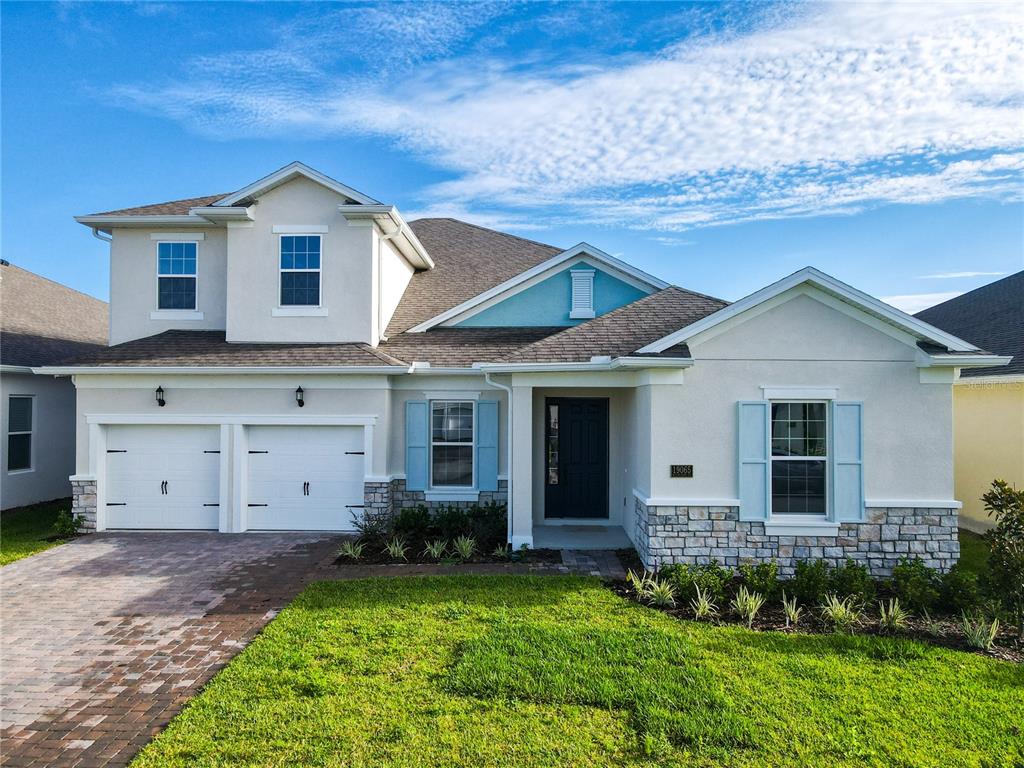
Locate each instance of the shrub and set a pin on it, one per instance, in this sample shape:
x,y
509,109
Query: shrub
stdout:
x,y
792,610
892,617
762,578
488,524
915,584
959,589
662,593
711,578
464,547
1005,578
413,523
501,552
435,549
810,581
374,526
852,580
703,606
746,604
452,522
66,525
351,550
842,614
396,548
979,632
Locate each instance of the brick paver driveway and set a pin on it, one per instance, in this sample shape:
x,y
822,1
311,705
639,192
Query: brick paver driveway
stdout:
x,y
104,639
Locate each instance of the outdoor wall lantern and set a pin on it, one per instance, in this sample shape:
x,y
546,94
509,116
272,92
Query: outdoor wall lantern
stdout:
x,y
299,397
160,397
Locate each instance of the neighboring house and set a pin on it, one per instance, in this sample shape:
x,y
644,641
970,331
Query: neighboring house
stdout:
x,y
988,403
41,323
295,354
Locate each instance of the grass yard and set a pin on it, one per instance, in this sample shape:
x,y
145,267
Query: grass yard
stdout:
x,y
27,530
559,671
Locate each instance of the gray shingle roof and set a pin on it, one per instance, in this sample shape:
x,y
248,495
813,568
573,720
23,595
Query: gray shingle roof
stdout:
x,y
624,330
990,317
467,261
170,208
43,322
461,347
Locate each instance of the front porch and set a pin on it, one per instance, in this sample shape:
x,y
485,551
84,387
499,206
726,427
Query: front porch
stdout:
x,y
586,537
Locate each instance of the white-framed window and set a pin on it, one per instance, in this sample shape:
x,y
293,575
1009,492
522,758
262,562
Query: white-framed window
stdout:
x,y
799,458
19,433
300,270
176,275
582,294
452,443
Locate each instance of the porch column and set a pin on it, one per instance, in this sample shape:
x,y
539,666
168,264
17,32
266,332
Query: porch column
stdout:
x,y
521,492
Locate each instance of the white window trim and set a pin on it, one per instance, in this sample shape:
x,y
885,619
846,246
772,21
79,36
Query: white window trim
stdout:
x,y
583,278
790,520
301,310
31,433
176,314
451,492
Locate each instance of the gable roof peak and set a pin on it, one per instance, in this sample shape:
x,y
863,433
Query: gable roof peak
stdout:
x,y
285,174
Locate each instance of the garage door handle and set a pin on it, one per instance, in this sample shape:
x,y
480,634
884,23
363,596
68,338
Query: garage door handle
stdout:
x,y
355,453
211,451
305,488
257,505
211,505
111,450
163,488
354,506
259,451
117,503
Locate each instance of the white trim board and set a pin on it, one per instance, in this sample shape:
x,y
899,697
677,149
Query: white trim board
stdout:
x,y
828,284
677,502
913,503
799,393
581,252
287,173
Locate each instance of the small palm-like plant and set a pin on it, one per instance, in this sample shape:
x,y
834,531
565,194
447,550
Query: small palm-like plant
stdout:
x,y
932,626
746,604
979,632
843,614
662,593
351,550
892,617
703,606
502,552
464,547
397,548
640,583
435,549
792,610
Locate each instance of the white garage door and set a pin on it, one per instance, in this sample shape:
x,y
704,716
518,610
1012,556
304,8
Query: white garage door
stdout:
x,y
305,478
163,476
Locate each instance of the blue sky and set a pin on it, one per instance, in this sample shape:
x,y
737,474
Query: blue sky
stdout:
x,y
718,146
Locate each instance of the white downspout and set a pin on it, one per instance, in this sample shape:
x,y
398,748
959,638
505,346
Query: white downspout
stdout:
x,y
508,449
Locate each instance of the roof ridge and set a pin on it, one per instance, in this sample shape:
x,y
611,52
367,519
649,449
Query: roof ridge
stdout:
x,y
54,282
488,229
389,359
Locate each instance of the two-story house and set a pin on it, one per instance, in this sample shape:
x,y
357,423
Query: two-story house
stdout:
x,y
295,353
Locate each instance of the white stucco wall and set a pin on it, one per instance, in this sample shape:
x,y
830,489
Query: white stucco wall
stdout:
x,y
133,283
53,439
394,276
346,283
908,444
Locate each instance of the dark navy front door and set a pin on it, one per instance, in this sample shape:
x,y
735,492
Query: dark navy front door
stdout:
x,y
575,457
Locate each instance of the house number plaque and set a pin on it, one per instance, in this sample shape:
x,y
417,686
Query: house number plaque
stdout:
x,y
681,470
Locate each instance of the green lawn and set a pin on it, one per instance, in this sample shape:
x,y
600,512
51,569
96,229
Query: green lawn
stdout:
x,y
25,530
559,671
973,551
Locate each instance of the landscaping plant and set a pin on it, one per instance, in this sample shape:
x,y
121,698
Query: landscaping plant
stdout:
x,y
746,604
959,589
661,593
396,548
892,617
915,584
351,550
852,579
413,523
810,581
792,610
451,522
762,578
374,526
435,549
932,626
703,605
1005,578
67,526
713,579
502,552
842,614
464,547
979,632
639,583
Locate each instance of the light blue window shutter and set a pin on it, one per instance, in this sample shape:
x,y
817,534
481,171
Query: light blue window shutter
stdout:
x,y
847,462
487,445
754,460
417,444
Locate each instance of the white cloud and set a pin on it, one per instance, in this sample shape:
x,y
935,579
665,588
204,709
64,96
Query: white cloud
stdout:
x,y
845,106
953,275
912,303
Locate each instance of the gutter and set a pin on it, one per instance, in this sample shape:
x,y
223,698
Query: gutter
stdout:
x,y
596,364
925,360
158,370
508,449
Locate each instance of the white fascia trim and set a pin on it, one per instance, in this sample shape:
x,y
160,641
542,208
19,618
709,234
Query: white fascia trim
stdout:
x,y
232,214
408,244
106,223
287,173
387,370
799,393
925,360
165,236
616,364
828,284
580,251
670,502
914,503
795,527
359,420
994,379
17,369
300,229
175,314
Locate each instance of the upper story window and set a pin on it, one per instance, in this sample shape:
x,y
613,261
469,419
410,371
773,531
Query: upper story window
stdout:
x,y
300,270
799,434
451,443
176,275
19,433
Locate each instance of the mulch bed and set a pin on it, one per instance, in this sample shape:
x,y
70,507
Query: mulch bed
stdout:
x,y
376,556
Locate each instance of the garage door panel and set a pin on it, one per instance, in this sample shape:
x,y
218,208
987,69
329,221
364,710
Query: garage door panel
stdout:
x,y
305,478
163,477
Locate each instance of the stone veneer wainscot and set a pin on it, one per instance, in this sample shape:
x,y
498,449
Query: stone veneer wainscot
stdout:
x,y
665,535
83,502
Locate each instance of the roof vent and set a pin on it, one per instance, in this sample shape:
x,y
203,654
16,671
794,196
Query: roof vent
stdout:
x,y
582,294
